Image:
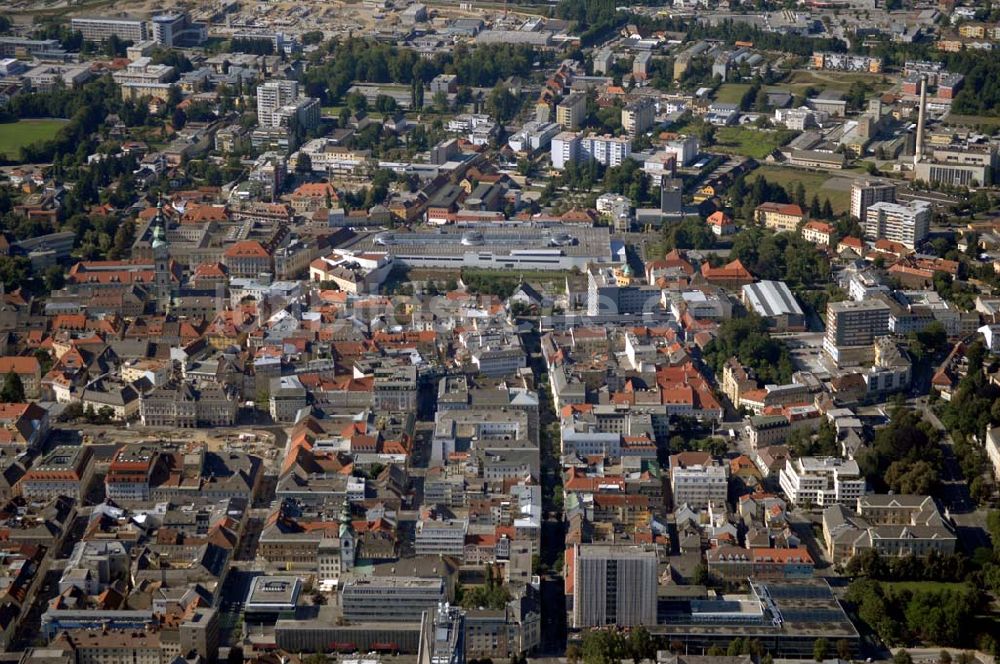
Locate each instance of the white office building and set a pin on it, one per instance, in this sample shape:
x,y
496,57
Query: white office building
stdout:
x,y
822,481
698,486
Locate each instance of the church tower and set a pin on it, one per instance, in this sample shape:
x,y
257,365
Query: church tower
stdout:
x,y
347,548
161,261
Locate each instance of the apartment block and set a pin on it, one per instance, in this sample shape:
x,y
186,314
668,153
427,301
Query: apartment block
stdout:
x,y
607,150
572,110
638,116
907,224
866,193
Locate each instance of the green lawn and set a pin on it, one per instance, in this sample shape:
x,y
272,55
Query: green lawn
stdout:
x,y
731,93
825,185
15,135
749,141
898,586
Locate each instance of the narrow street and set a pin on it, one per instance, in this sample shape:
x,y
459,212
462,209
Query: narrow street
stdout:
x,y
553,595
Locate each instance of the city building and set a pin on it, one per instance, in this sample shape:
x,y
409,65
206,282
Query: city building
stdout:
x,y
822,481
129,473
866,193
391,598
176,29
96,29
851,330
774,302
779,216
638,116
908,224
892,525
697,481
612,585
65,471
571,111
442,636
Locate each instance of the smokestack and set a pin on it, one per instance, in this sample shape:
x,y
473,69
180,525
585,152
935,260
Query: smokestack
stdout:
x,y
919,152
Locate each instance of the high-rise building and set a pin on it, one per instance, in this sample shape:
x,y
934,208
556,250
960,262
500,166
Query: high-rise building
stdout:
x,y
571,111
852,327
907,224
96,29
638,116
271,97
177,29
866,193
614,585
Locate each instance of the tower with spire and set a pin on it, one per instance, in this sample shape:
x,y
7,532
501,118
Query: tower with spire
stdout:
x,y
161,260
347,548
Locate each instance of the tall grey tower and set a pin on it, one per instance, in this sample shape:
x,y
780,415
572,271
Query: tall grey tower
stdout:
x,y
161,261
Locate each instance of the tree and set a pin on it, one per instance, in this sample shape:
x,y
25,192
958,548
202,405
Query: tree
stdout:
x,y
902,656
700,576
821,649
814,207
178,119
502,104
54,278
800,195
13,389
844,649
944,657
641,644
304,164
573,654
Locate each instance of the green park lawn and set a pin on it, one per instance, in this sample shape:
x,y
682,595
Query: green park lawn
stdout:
x,y
731,93
749,141
824,185
898,586
15,135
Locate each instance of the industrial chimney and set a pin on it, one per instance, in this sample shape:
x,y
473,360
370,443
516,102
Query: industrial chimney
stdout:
x,y
921,116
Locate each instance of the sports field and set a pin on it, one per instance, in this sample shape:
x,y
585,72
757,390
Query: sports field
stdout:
x,y
15,135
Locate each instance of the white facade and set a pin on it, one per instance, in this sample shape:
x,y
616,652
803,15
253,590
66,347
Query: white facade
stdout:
x,y
822,481
907,224
698,486
271,97
606,150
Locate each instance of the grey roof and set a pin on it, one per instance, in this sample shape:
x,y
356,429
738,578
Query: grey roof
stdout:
x,y
771,298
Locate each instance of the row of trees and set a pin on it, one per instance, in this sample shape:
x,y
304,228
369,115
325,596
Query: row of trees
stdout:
x,y
340,63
